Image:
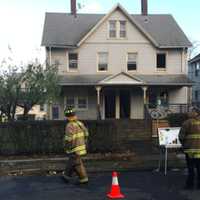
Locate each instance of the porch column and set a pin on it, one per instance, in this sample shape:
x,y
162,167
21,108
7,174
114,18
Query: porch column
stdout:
x,y
117,105
145,94
144,100
98,89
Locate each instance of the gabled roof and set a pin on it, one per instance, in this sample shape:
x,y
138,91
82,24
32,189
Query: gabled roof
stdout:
x,y
63,30
121,78
195,59
132,20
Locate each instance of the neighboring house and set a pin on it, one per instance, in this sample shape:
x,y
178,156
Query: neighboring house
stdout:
x,y
111,65
194,75
38,112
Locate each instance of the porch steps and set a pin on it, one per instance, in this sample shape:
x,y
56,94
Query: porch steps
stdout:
x,y
134,135
134,129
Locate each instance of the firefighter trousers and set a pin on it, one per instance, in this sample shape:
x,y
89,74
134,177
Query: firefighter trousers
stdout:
x,y
193,163
75,165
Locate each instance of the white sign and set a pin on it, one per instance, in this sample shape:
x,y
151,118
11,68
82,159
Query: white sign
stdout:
x,y
169,137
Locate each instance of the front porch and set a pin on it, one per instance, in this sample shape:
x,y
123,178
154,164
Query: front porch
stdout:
x,y
123,96
123,102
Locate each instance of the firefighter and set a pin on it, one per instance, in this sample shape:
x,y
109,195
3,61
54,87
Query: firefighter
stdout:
x,y
190,139
75,145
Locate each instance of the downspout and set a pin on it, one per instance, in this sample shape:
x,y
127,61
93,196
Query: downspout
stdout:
x,y
50,56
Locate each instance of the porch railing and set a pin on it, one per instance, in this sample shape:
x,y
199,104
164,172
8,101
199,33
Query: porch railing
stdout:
x,y
162,111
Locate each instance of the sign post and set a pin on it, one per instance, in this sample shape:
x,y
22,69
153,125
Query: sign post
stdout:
x,y
168,139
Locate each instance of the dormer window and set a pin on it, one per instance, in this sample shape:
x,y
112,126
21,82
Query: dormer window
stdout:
x,y
117,29
113,29
122,32
73,61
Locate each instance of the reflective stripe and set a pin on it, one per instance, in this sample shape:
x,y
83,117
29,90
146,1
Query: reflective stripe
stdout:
x,y
197,156
196,122
83,180
193,136
77,135
74,136
193,155
79,148
67,138
192,150
115,181
83,152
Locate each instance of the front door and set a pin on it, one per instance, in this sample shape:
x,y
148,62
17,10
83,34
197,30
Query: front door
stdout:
x,y
125,104
110,104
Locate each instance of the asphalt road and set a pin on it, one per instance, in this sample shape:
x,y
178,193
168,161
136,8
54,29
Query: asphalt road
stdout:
x,y
134,185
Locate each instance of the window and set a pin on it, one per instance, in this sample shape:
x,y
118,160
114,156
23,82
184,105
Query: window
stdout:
x,y
73,61
197,69
55,112
78,103
82,103
112,29
103,61
196,94
70,102
198,65
161,60
196,72
122,29
132,61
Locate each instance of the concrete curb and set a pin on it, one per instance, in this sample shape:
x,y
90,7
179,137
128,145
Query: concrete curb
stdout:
x,y
94,163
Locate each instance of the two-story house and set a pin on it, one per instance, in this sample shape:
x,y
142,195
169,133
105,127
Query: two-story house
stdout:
x,y
194,74
111,65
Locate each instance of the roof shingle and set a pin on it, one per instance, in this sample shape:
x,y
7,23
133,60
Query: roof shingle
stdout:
x,y
62,29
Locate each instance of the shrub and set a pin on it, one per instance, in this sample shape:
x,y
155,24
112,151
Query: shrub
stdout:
x,y
177,119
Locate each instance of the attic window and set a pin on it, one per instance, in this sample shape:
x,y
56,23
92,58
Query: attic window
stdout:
x,y
113,29
122,29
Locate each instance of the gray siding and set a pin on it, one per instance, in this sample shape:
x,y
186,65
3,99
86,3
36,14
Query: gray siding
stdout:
x,y
194,75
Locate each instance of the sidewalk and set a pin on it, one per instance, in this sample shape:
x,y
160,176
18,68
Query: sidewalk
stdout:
x,y
94,163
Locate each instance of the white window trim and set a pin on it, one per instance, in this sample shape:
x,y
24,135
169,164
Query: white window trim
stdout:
x,y
86,103
127,62
160,70
97,59
76,102
108,28
125,29
68,68
72,97
117,30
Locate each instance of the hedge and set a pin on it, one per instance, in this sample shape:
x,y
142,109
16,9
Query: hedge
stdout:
x,y
46,137
177,119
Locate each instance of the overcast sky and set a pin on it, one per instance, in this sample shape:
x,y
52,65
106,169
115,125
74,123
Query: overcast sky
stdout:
x,y
22,21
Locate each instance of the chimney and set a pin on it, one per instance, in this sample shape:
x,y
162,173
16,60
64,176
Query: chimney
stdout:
x,y
144,7
73,7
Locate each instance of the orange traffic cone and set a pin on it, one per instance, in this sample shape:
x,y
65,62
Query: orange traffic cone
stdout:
x,y
115,189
